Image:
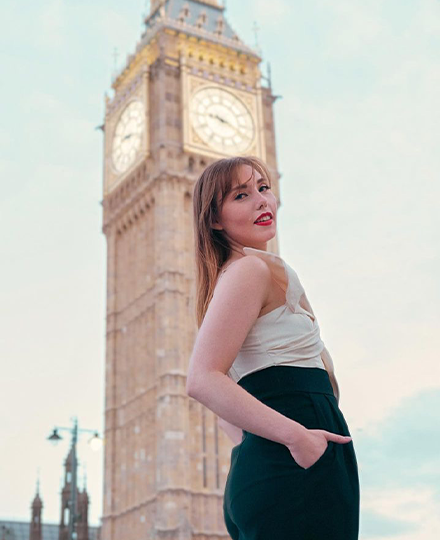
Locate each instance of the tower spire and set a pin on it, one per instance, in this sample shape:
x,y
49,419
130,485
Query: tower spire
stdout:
x,y
154,4
256,29
38,481
36,507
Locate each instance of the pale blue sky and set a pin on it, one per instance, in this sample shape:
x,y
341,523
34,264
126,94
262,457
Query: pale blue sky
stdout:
x,y
357,133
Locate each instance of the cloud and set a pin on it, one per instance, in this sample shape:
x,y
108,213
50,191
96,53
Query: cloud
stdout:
x,y
400,514
376,525
399,467
405,443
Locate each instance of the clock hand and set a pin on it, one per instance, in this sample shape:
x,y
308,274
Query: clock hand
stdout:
x,y
127,136
225,122
216,116
222,119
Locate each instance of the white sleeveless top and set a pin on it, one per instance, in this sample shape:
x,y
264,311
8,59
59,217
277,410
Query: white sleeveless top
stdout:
x,y
288,335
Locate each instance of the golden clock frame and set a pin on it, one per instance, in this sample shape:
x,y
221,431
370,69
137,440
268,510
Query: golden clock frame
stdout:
x,y
192,143
140,92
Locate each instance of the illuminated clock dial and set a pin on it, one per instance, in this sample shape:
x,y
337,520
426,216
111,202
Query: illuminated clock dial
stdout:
x,y
222,120
128,136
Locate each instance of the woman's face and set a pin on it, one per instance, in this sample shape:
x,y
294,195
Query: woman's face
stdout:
x,y
242,207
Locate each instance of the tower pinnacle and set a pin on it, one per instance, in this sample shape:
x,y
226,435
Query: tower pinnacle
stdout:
x,y
154,4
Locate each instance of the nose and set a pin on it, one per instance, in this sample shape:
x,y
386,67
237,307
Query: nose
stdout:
x,y
263,200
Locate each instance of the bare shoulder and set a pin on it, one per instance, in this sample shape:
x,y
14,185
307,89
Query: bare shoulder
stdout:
x,y
232,311
246,283
250,267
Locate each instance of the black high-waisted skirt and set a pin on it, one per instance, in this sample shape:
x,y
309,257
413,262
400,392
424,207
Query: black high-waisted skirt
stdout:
x,y
268,496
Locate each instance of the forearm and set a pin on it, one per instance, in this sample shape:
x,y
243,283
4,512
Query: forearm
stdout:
x,y
233,403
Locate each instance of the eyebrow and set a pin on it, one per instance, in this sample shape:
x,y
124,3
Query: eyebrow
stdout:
x,y
244,186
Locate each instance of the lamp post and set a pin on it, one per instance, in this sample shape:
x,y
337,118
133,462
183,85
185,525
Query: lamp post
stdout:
x,y
54,438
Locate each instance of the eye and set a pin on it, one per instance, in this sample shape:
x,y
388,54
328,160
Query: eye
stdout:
x,y
264,185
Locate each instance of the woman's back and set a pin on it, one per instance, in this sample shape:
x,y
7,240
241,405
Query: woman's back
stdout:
x,y
284,364
287,335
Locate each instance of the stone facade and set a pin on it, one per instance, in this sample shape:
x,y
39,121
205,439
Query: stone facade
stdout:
x,y
166,459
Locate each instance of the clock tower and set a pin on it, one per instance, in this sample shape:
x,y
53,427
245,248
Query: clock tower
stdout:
x,y
189,94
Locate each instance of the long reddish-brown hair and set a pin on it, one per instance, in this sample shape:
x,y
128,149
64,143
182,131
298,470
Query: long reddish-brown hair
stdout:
x,y
212,249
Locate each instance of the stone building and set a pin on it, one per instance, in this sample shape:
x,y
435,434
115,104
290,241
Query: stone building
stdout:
x,y
37,530
192,92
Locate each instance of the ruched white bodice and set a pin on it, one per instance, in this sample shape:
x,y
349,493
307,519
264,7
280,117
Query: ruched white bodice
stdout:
x,y
287,335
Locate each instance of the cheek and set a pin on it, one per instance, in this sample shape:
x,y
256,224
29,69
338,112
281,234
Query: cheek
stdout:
x,y
236,218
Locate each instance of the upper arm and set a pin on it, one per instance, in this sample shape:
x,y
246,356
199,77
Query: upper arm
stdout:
x,y
233,309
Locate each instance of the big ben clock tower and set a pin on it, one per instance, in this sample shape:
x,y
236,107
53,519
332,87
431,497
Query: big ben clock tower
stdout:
x,y
190,94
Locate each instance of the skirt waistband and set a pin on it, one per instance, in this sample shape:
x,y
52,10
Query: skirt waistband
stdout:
x,y
280,380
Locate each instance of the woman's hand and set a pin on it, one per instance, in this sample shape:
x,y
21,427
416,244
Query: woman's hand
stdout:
x,y
312,446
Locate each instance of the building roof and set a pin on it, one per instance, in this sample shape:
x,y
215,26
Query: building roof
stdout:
x,y
20,530
200,19
171,11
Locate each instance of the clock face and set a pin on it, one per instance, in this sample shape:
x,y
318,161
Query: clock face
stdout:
x,y
127,137
222,120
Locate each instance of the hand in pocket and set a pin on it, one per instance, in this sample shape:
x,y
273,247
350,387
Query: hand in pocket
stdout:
x,y
312,446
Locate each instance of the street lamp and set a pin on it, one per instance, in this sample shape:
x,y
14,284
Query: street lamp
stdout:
x,y
95,442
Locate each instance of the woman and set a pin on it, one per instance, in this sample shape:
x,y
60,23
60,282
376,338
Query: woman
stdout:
x,y
258,363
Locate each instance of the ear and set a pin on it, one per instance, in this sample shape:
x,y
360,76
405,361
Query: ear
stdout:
x,y
216,225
